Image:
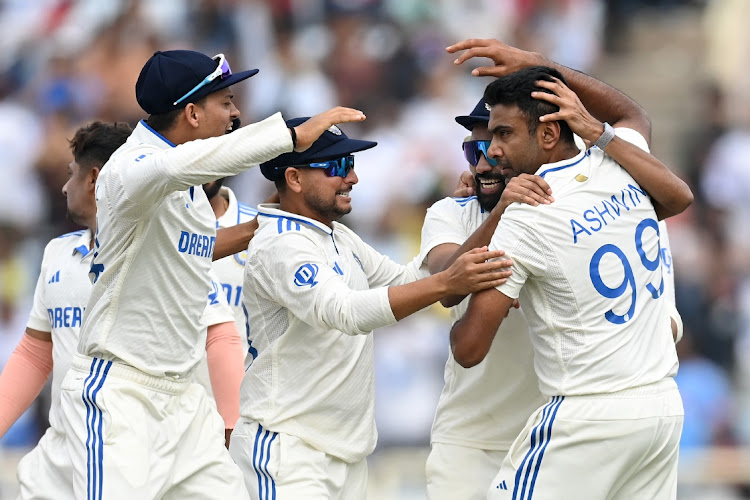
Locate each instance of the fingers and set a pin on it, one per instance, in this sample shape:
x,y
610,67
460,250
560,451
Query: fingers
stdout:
x,y
478,287
468,44
481,254
465,186
529,189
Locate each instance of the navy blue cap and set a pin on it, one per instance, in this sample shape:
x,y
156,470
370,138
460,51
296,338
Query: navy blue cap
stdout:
x,y
480,114
332,144
171,74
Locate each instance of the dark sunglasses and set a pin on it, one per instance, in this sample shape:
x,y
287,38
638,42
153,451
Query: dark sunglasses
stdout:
x,y
340,167
473,151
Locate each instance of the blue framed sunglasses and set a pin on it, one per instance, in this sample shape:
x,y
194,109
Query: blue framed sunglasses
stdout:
x,y
222,70
473,151
339,167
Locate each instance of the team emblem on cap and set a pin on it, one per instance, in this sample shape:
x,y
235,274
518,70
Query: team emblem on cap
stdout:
x,y
487,107
334,130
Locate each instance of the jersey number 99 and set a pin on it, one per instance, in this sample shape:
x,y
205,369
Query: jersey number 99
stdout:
x,y
628,281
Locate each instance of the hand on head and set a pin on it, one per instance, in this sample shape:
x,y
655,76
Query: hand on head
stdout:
x,y
309,131
572,111
507,59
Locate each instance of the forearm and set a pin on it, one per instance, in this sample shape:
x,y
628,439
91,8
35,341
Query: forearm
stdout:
x,y
479,238
410,298
670,194
235,239
23,378
225,368
201,161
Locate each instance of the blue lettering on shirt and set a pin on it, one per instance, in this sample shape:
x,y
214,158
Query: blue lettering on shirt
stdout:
x,y
196,244
597,216
67,317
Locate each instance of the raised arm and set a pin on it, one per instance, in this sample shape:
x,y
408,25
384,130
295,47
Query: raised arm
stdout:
x,y
670,195
603,103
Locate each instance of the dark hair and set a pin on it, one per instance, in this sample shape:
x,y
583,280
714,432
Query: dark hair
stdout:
x,y
164,121
93,144
516,88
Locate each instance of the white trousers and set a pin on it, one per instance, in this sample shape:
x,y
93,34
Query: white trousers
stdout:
x,y
616,446
131,435
45,473
461,472
279,466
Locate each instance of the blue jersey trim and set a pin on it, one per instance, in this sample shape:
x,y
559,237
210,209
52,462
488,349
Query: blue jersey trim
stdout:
x,y
329,231
157,134
83,250
562,167
74,233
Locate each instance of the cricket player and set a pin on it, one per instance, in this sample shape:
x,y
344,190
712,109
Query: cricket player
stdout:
x,y
60,298
136,424
314,291
587,269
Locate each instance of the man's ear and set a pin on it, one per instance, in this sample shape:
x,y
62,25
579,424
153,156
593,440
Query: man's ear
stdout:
x,y
192,114
293,179
548,134
94,175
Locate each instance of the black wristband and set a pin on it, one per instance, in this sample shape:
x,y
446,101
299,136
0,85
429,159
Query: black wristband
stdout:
x,y
294,137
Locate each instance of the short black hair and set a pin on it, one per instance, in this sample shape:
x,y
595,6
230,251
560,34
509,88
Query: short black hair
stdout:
x,y
93,144
516,88
164,121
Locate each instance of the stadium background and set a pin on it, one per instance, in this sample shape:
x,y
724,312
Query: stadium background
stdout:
x,y
65,62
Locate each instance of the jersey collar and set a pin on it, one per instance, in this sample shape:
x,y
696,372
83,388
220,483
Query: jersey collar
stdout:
x,y
548,168
83,243
272,211
143,133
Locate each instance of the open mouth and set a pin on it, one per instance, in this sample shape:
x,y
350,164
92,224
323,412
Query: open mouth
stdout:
x,y
489,186
344,194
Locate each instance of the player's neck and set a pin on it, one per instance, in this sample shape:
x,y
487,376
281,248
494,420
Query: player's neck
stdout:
x,y
564,152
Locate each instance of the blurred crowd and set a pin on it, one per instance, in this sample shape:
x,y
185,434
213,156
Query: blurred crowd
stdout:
x,y
66,62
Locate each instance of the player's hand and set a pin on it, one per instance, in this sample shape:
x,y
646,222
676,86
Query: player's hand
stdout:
x,y
525,188
466,185
309,131
475,271
572,111
507,59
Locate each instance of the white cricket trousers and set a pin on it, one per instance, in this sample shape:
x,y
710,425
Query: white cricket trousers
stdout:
x,y
461,472
135,436
618,446
279,466
45,473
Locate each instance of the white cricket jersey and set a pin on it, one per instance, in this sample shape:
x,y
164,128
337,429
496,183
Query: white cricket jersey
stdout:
x,y
487,405
154,243
313,294
588,269
230,269
62,292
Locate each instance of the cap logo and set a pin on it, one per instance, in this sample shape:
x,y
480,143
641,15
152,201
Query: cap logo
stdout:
x,y
487,107
334,130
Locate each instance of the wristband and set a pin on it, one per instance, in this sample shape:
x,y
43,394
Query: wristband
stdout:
x,y
294,137
606,137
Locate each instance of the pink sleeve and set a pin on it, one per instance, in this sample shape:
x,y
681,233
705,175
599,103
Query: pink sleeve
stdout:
x,y
23,377
226,369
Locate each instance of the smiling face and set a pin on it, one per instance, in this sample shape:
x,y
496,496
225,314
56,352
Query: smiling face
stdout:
x,y
217,111
515,149
326,199
489,180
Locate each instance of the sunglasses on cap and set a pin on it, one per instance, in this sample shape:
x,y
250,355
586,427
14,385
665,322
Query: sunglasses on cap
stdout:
x,y
222,70
340,167
473,151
